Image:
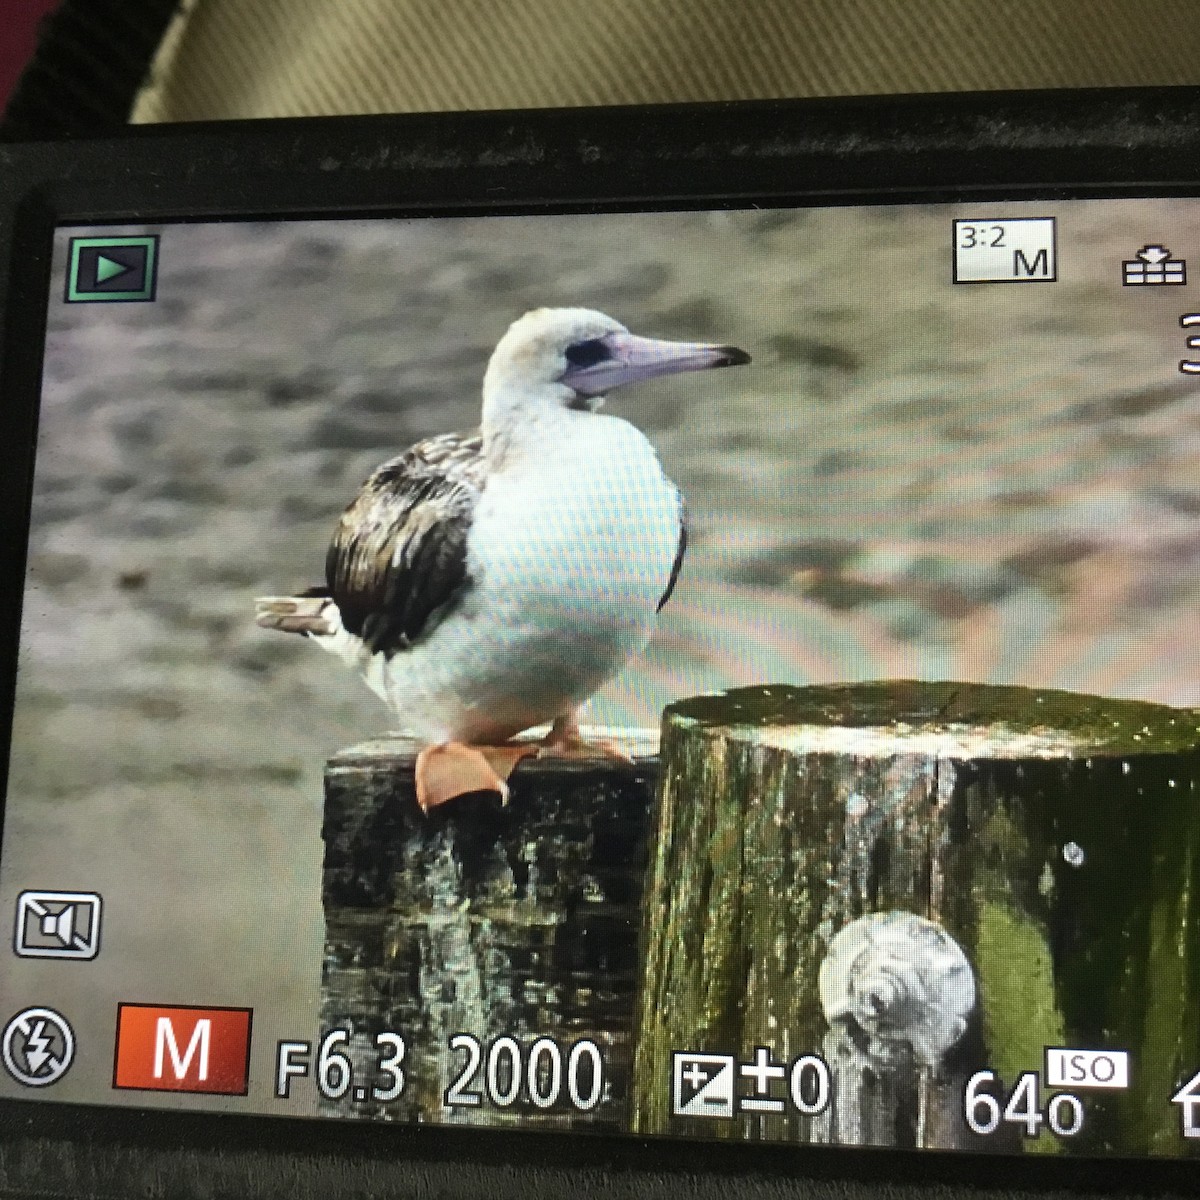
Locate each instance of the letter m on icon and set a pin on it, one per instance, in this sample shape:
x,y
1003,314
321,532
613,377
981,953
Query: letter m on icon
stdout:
x,y
173,1048
167,1045
1039,267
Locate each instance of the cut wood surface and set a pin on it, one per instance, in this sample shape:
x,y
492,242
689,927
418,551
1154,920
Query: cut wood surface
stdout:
x,y
1054,836
486,921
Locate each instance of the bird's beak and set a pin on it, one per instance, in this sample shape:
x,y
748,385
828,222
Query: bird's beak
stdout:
x,y
634,358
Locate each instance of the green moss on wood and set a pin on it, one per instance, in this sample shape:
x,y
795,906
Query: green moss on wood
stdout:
x,y
1061,853
1097,723
1015,976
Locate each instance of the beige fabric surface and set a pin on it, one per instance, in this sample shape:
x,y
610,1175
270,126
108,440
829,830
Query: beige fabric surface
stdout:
x,y
270,58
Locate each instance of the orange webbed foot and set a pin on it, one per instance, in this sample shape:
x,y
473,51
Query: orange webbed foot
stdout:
x,y
566,740
453,768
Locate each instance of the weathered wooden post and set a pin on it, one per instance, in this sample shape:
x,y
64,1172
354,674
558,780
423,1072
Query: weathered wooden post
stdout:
x,y
1054,837
899,996
494,940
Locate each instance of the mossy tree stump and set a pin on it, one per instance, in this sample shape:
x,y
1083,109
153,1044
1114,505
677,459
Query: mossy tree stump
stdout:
x,y
1055,837
489,921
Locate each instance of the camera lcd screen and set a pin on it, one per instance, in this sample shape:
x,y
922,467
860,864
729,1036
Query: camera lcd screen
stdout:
x,y
950,445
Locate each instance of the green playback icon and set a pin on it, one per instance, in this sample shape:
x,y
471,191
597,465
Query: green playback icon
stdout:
x,y
111,269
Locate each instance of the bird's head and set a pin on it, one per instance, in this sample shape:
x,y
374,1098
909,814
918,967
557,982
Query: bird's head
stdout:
x,y
570,358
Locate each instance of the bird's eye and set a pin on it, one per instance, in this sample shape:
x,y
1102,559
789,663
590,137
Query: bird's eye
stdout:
x,y
587,354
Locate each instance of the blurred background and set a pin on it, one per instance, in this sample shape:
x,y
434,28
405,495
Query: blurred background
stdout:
x,y
20,19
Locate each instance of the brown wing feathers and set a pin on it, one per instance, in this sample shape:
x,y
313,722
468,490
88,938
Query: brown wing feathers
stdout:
x,y
399,555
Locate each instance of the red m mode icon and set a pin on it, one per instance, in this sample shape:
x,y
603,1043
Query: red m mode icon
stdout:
x,y
170,1048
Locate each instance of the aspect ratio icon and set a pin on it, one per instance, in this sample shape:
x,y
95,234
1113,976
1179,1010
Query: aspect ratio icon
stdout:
x,y
1006,250
57,925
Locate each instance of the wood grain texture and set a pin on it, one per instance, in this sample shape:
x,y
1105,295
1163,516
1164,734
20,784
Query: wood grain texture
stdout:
x,y
1055,836
520,920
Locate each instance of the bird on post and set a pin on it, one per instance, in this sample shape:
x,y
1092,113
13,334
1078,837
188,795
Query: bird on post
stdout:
x,y
487,582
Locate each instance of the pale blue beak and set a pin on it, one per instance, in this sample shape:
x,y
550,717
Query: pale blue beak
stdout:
x,y
631,358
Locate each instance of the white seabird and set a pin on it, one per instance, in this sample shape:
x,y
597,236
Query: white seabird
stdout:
x,y
487,582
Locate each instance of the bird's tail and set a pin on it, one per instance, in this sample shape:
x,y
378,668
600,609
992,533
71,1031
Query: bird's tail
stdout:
x,y
313,612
